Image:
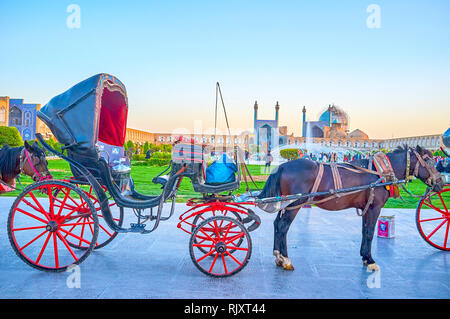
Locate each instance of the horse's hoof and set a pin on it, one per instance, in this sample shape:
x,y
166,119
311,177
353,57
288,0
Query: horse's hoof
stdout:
x,y
288,267
373,267
278,258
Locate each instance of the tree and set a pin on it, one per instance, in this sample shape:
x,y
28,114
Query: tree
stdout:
x,y
146,147
289,154
130,145
10,136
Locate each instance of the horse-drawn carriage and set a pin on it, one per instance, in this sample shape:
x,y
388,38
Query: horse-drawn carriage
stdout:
x,y
54,224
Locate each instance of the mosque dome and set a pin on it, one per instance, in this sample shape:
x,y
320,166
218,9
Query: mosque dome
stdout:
x,y
358,134
337,134
336,114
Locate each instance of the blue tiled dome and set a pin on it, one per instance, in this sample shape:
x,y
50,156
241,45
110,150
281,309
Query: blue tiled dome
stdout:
x,y
325,117
337,116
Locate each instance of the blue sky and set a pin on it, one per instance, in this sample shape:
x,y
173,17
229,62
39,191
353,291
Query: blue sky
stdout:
x,y
392,81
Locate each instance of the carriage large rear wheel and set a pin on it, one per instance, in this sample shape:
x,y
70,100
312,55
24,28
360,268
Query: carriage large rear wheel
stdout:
x,y
105,234
433,219
217,235
41,225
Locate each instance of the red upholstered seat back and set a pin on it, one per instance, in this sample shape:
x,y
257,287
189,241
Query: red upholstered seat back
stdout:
x,y
113,118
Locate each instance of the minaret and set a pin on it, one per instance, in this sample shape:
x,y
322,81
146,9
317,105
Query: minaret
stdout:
x,y
329,114
277,110
304,122
255,119
255,114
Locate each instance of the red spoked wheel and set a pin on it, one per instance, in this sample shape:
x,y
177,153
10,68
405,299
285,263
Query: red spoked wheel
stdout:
x,y
211,212
433,219
105,234
40,230
216,235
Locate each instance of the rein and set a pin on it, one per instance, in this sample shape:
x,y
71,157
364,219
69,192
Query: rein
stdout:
x,y
24,155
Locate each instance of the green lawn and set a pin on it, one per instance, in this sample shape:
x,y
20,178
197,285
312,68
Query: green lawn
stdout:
x,y
142,176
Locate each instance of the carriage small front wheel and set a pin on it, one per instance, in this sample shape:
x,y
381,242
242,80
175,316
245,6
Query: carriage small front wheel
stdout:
x,y
211,212
41,226
219,257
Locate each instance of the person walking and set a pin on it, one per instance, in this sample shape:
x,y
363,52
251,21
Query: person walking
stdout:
x,y
268,159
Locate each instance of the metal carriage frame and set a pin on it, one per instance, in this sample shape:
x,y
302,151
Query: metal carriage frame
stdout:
x,y
212,215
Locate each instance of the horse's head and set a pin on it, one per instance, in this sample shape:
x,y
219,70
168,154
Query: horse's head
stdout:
x,y
33,162
425,168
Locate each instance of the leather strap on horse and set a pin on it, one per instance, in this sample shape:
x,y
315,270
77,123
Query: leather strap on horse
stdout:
x,y
369,202
335,173
336,176
318,179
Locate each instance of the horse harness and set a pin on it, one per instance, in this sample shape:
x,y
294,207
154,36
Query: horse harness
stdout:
x,y
337,182
384,170
425,161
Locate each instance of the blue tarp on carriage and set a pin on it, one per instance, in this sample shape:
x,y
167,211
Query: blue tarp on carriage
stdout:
x,y
221,171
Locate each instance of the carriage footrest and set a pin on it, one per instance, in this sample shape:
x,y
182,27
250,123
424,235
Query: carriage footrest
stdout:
x,y
137,228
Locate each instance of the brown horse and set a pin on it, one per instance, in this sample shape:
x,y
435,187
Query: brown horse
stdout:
x,y
28,159
298,176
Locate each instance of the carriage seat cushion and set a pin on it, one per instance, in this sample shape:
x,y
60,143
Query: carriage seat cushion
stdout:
x,y
221,171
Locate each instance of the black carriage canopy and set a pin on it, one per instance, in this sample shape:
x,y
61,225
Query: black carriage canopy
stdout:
x,y
94,110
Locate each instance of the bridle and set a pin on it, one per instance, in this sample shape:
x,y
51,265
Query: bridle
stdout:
x,y
25,156
427,162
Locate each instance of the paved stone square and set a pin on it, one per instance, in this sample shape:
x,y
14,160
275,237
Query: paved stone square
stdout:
x,y
323,247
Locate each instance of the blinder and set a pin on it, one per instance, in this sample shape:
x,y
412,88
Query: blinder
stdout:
x,y
428,163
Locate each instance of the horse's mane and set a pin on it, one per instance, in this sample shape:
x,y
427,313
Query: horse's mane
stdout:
x,y
8,160
401,149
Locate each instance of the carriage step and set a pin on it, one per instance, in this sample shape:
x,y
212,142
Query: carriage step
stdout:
x,y
137,228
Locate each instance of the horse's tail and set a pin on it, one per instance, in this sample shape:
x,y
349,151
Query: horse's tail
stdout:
x,y
272,186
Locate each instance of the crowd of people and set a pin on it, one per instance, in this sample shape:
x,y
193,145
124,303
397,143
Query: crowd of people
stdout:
x,y
333,157
443,164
